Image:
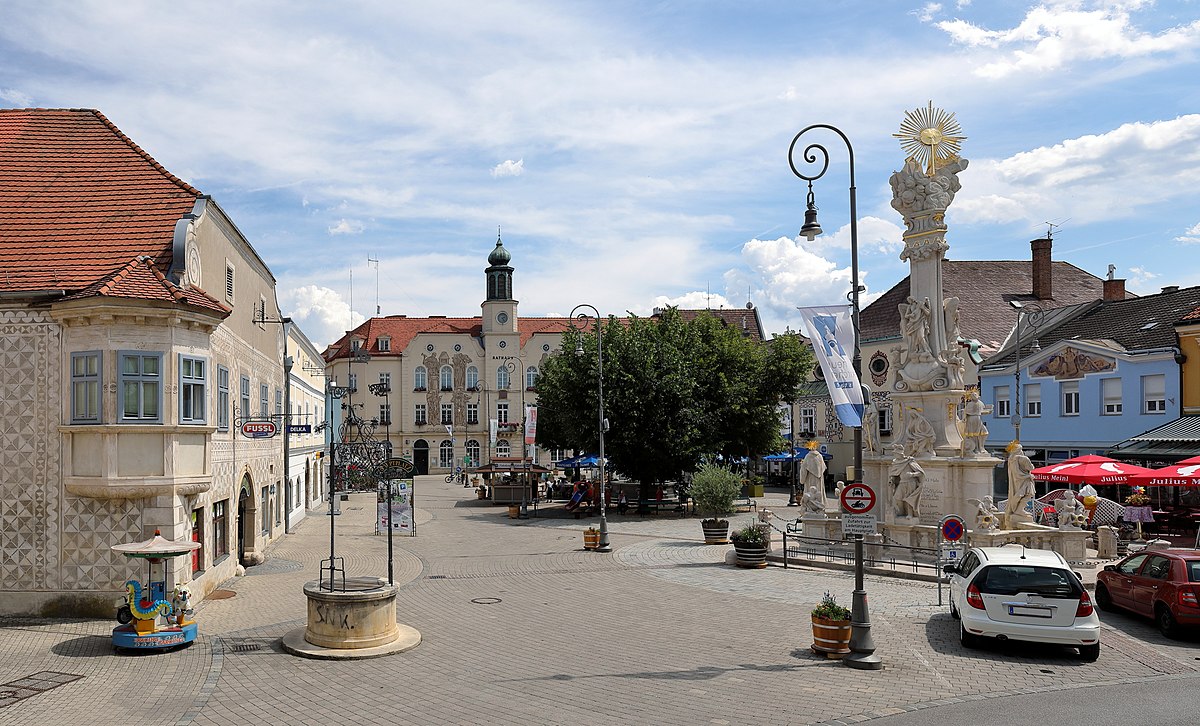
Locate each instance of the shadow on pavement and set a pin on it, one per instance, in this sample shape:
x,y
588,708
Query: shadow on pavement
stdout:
x,y
942,632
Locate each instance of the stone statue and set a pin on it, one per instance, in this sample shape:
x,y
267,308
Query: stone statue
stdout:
x,y
812,473
837,493
914,191
976,432
914,327
1071,514
870,428
910,477
955,368
950,313
1020,486
918,433
987,514
812,504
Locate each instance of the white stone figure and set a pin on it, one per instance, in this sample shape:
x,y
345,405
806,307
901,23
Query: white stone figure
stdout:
x,y
812,504
950,315
870,428
1020,486
976,433
812,472
837,493
914,327
987,515
1071,514
918,433
956,368
909,476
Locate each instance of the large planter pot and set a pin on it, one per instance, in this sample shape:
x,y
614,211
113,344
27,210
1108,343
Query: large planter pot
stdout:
x,y
750,555
715,532
831,637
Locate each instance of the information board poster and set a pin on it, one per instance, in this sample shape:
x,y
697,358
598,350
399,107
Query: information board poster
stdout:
x,y
401,507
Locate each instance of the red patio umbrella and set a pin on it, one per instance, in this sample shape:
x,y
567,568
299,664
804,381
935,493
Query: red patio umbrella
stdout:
x,y
1090,469
1184,474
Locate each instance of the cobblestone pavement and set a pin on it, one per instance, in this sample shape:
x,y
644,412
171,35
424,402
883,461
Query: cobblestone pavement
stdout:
x,y
520,625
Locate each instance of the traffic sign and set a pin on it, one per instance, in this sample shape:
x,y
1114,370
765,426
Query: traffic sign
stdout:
x,y
863,524
858,498
259,429
952,528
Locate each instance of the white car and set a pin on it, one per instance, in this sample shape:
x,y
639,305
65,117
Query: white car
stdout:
x,y
1017,593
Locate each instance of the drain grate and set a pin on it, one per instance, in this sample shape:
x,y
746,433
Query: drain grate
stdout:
x,y
245,647
32,685
250,646
437,577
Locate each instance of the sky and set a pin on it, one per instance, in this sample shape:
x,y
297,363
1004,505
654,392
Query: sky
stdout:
x,y
634,154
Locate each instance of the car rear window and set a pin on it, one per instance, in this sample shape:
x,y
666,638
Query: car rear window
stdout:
x,y
1193,569
1013,579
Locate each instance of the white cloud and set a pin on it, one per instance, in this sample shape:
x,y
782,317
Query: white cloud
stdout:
x,y
927,12
874,234
509,168
15,97
346,226
695,300
1191,236
320,312
1056,34
1148,162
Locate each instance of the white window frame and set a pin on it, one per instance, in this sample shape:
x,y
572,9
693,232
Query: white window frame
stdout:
x,y
279,402
1069,398
1111,401
420,378
193,389
502,412
531,376
1001,402
145,383
885,420
1154,394
85,387
384,344
472,378
446,378
503,379
446,454
503,448
447,414
472,414
807,420
385,414
1033,400
420,414
244,395
264,400
385,380
474,451
353,382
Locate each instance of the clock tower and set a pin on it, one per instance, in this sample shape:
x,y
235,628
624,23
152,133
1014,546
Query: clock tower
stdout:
x,y
499,307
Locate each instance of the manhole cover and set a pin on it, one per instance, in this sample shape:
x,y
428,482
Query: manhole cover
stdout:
x,y
220,595
32,685
486,600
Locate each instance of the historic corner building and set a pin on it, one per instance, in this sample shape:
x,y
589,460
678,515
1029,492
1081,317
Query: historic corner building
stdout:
x,y
129,353
449,378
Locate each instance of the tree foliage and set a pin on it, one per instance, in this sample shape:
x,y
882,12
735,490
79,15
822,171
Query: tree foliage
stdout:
x,y
676,392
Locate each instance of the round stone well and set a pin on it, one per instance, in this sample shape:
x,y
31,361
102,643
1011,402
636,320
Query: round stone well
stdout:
x,y
358,621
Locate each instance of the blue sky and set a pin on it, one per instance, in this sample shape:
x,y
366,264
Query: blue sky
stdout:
x,y
634,153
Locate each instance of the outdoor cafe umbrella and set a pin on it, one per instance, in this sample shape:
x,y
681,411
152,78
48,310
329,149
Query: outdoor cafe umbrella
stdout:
x,y
1184,474
1090,469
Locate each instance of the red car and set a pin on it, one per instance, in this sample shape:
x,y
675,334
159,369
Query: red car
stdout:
x,y
1162,584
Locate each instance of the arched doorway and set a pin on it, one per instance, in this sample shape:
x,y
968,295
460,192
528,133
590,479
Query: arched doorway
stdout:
x,y
245,517
421,456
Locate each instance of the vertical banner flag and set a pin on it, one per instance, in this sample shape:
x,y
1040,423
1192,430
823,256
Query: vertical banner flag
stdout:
x,y
492,432
530,424
831,329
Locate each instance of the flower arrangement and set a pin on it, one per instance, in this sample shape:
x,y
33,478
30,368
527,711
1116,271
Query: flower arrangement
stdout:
x,y
830,610
752,535
1138,498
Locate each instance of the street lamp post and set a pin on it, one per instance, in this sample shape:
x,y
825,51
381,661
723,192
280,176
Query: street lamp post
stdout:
x,y
1035,315
862,645
604,545
792,455
383,389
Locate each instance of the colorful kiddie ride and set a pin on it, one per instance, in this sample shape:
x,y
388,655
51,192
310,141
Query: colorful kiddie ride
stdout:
x,y
148,619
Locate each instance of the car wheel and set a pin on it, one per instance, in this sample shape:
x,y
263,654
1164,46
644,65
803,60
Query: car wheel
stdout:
x,y
1089,653
968,640
1166,621
1103,599
954,612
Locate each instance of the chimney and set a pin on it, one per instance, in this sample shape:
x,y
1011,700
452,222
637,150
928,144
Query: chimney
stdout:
x,y
1041,269
1114,290
1170,289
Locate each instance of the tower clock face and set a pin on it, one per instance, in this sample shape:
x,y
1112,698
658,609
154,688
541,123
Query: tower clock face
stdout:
x,y
502,318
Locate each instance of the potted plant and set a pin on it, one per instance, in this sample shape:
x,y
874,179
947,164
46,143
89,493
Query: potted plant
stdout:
x,y
714,490
750,543
831,628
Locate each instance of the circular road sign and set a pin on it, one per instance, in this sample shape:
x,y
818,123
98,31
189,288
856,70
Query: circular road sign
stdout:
x,y
858,498
952,528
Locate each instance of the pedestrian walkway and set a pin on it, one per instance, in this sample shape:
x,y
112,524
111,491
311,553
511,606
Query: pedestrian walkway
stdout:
x,y
520,625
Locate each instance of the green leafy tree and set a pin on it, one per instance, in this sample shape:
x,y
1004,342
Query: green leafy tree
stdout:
x,y
676,393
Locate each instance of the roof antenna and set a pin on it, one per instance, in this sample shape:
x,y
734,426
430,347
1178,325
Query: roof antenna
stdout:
x,y
375,262
1050,229
351,299
708,295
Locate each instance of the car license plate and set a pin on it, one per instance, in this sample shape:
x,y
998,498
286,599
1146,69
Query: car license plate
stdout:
x,y
1030,611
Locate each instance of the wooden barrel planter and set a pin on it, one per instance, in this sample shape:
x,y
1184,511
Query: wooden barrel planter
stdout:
x,y
591,539
751,556
715,533
514,511
831,637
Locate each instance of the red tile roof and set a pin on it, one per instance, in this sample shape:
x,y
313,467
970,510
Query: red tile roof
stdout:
x,y
402,329
79,200
142,280
744,319
1193,315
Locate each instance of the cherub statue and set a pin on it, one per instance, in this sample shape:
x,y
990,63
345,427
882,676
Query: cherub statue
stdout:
x,y
812,503
987,514
910,477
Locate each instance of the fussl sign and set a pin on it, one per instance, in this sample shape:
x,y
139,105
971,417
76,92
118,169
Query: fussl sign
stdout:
x,y
259,429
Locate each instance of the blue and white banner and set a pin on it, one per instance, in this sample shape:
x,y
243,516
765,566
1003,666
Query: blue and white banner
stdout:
x,y
831,329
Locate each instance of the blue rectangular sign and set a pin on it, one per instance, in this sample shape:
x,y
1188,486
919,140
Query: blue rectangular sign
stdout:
x,y
299,428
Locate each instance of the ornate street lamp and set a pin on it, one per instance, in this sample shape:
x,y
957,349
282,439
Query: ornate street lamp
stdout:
x,y
604,546
862,645
1035,315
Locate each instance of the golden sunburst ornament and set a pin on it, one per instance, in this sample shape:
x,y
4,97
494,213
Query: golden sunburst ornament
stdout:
x,y
930,136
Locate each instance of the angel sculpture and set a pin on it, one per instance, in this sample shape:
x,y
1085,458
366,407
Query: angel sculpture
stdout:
x,y
813,504
987,514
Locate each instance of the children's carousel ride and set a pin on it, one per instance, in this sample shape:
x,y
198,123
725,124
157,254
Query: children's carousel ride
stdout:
x,y
147,618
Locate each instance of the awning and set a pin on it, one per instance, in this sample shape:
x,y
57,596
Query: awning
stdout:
x,y
1179,439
